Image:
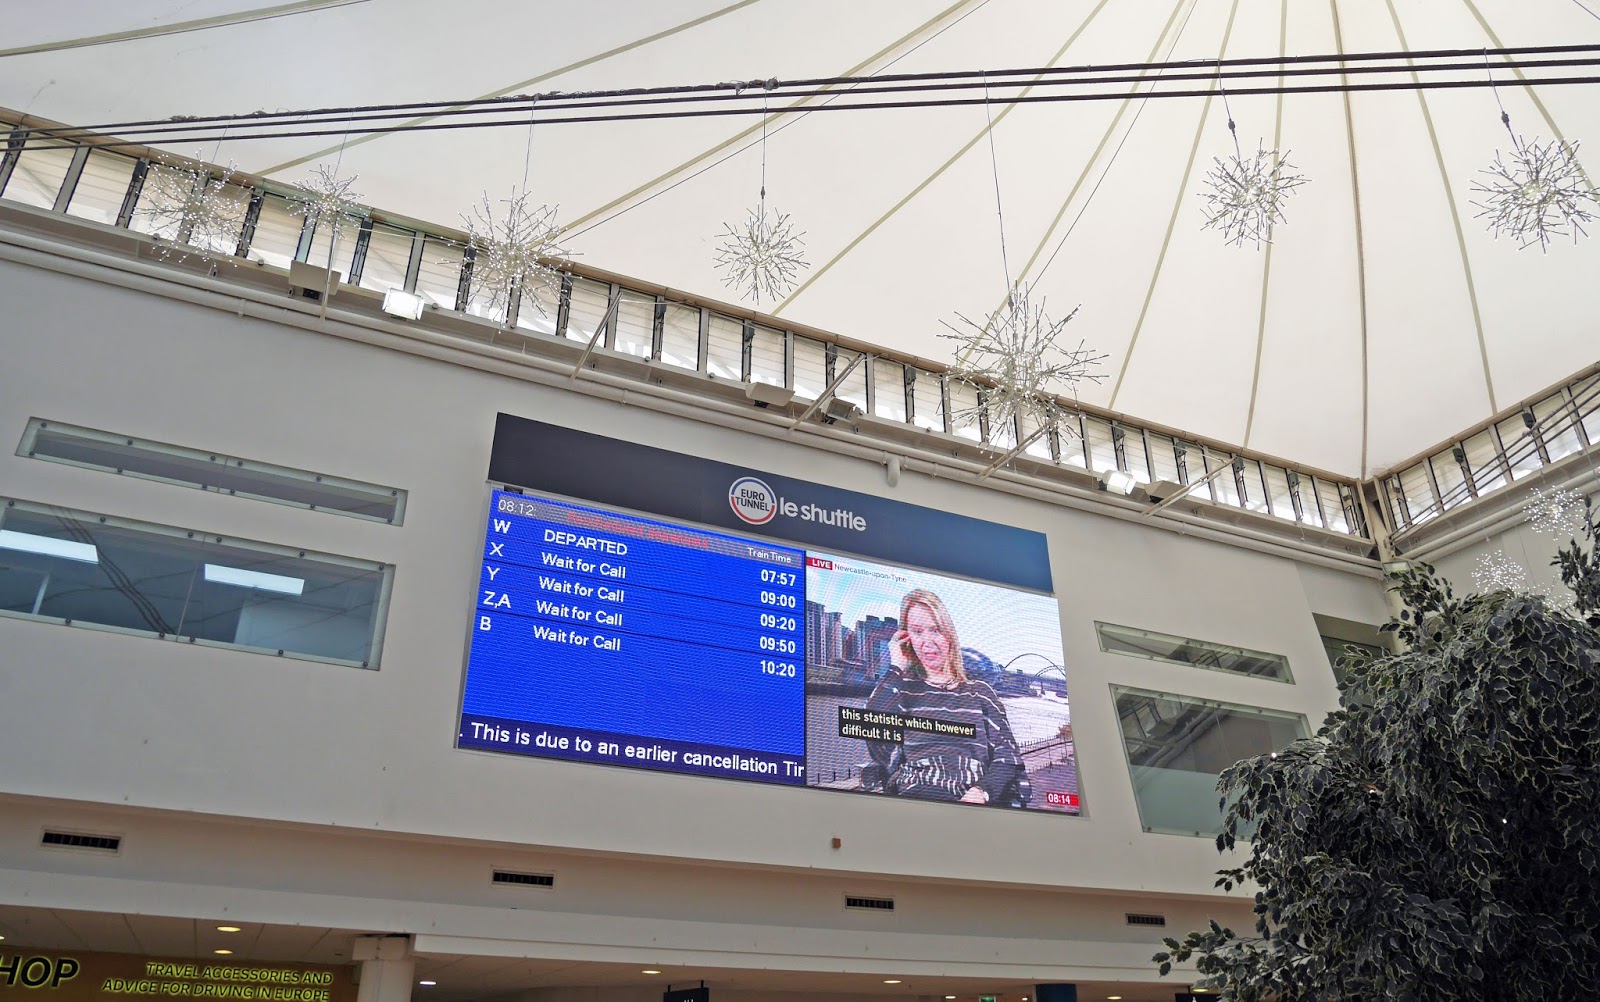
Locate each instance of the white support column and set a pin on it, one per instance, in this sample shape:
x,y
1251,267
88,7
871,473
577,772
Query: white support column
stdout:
x,y
387,968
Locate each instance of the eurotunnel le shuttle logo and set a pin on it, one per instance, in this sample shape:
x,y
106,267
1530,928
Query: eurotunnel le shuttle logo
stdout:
x,y
753,501
756,503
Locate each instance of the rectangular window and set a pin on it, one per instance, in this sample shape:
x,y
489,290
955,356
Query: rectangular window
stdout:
x,y
1177,746
1450,478
388,256
1102,452
102,187
1484,460
680,336
1225,487
439,277
927,400
37,177
172,464
115,574
888,389
1163,458
1074,446
964,412
1193,653
810,367
538,304
1586,396
1557,426
725,348
1333,506
636,318
1039,448
1002,432
1520,445
1277,486
1418,490
853,388
590,303
1138,464
1252,487
1197,465
277,236
767,351
343,250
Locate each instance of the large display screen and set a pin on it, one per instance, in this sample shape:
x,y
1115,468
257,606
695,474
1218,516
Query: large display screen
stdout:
x,y
609,637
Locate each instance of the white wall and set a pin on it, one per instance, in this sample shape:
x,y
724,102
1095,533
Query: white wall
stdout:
x,y
106,719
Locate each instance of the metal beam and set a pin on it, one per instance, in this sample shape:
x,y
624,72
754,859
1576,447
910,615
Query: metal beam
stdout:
x,y
1015,452
827,392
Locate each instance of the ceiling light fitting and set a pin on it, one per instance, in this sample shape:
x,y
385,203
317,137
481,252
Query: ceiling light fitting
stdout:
x,y
1244,197
514,252
1538,191
191,211
1017,364
325,198
1557,512
763,257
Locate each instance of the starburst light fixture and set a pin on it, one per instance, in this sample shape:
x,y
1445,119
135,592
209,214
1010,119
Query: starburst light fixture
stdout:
x,y
1244,196
761,257
325,196
1498,572
1557,512
1536,192
1016,362
190,211
514,252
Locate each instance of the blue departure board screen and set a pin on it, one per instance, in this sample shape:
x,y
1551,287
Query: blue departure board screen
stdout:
x,y
607,637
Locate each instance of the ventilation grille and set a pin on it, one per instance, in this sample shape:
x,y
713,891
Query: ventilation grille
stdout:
x,y
869,904
81,840
524,879
1146,919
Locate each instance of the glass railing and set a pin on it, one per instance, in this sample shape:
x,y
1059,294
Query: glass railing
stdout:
x,y
372,251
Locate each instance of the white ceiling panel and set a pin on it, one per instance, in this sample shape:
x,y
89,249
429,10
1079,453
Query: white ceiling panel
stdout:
x,y
1360,349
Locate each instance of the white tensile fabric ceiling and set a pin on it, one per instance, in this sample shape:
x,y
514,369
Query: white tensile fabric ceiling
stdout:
x,y
1343,352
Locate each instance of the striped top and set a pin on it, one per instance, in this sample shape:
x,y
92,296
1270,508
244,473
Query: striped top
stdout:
x,y
944,766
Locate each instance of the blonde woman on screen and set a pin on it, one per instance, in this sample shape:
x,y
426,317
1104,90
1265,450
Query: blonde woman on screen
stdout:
x,y
960,746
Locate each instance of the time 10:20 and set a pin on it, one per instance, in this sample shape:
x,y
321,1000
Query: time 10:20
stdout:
x,y
783,669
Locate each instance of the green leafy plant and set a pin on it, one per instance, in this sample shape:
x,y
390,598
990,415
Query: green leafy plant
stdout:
x,y
1439,838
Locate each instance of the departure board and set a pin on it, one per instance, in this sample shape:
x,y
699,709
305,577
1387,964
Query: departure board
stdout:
x,y
610,638
604,636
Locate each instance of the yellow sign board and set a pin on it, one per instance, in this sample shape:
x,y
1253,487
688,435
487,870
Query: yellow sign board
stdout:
x,y
81,976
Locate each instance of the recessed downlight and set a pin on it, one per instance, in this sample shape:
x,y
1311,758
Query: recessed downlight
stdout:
x,y
229,928
1113,998
650,971
427,984
891,981
223,953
